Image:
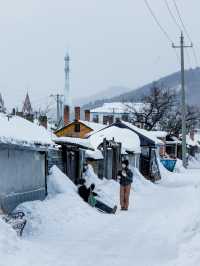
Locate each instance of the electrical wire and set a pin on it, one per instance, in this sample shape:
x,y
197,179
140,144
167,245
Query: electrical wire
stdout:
x,y
181,20
161,27
157,21
186,31
172,15
178,26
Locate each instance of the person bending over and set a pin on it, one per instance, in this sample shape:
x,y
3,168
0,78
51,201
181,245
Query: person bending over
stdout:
x,y
89,196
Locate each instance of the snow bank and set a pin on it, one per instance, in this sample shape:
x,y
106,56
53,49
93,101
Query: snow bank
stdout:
x,y
194,163
106,189
59,183
62,207
162,222
140,183
8,239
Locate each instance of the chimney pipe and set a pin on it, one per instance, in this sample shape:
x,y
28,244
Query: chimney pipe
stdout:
x,y
77,111
87,115
66,115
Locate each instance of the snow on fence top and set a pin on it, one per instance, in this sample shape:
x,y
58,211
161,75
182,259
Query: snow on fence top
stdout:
x,y
17,130
129,140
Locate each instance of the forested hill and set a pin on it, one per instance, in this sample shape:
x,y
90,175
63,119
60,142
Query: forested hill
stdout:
x,y
192,79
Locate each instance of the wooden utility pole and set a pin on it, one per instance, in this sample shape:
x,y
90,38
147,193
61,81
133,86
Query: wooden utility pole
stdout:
x,y
183,104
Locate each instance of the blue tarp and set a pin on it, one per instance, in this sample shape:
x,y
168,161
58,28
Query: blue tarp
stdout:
x,y
169,164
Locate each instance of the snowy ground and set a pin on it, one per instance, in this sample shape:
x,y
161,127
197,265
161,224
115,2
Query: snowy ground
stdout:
x,y
162,226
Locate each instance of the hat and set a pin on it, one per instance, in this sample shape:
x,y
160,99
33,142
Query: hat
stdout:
x,y
82,181
92,186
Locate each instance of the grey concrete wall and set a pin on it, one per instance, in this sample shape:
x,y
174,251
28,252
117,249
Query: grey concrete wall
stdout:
x,y
22,176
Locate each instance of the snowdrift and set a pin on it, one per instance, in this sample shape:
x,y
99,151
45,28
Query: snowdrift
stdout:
x,y
62,206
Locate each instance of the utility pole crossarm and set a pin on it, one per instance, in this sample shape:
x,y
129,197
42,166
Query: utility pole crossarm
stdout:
x,y
185,46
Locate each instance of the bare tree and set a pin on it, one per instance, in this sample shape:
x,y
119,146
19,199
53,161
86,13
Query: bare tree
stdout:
x,y
156,106
172,123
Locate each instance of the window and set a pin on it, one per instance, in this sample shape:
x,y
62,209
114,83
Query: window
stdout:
x,y
107,119
96,118
77,127
125,117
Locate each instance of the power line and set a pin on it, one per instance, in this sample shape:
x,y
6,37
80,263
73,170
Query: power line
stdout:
x,y
179,27
161,27
157,21
180,18
172,15
186,31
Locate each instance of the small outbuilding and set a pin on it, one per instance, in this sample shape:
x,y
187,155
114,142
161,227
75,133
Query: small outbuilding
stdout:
x,y
23,164
69,156
150,146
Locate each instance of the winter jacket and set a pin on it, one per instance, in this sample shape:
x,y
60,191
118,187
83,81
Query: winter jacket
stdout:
x,y
85,192
126,177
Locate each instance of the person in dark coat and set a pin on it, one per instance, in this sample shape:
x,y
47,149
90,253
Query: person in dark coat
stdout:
x,y
126,178
88,195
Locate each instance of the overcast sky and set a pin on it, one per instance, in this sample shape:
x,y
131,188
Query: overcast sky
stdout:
x,y
111,42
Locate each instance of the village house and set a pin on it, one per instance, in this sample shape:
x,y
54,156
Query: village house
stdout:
x,y
150,146
23,158
174,145
78,128
108,113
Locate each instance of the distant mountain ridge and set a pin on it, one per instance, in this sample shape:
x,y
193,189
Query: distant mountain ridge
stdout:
x,y
108,93
172,81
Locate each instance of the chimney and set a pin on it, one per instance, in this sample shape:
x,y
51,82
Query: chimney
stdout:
x,y
66,115
87,115
77,111
43,121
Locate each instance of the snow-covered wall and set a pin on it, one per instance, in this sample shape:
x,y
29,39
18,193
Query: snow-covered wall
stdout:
x,y
22,176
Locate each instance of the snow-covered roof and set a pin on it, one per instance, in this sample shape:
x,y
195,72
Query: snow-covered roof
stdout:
x,y
94,126
159,134
96,154
129,140
119,108
17,130
148,134
84,143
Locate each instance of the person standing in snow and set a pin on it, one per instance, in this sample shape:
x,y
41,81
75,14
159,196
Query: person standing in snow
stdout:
x,y
126,178
88,195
